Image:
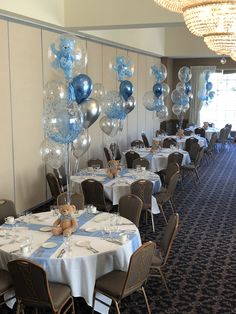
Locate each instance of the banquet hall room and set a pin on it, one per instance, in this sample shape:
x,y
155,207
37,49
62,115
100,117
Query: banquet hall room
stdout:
x,y
117,77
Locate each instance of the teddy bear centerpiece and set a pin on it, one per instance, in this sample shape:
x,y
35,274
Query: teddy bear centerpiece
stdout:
x,y
180,133
155,146
66,223
113,168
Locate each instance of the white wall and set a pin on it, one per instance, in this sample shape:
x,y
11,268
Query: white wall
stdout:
x,y
24,69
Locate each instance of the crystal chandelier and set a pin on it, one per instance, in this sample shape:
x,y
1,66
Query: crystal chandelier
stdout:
x,y
215,20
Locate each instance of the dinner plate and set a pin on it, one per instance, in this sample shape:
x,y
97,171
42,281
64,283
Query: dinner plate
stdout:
x,y
82,243
45,229
8,223
49,245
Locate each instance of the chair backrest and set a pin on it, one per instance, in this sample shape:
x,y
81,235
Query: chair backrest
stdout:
x,y
172,185
75,199
7,208
189,142
171,169
137,143
199,157
115,151
143,162
30,282
168,142
175,157
200,131
54,185
212,141
194,150
139,267
94,193
130,207
130,157
143,189
169,236
107,154
188,132
228,125
145,140
95,162
223,135
61,175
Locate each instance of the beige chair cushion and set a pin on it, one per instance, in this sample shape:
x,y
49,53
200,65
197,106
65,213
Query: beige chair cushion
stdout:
x,y
59,293
112,283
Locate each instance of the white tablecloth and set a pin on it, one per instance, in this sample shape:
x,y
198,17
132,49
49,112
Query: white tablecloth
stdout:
x,y
158,161
79,268
116,188
181,141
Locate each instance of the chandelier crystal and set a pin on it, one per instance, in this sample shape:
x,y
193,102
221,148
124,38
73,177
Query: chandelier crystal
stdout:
x,y
215,20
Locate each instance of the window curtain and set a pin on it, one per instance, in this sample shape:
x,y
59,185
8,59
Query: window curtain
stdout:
x,y
197,81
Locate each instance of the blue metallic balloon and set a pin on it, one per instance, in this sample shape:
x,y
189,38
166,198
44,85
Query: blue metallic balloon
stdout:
x,y
126,89
211,95
157,89
209,86
83,86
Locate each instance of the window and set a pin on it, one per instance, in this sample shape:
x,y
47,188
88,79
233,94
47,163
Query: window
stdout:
x,y
222,109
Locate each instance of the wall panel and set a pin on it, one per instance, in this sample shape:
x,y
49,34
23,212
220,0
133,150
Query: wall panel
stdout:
x,y
6,164
26,90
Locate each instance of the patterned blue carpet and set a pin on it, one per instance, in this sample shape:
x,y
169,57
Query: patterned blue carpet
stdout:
x,y
201,270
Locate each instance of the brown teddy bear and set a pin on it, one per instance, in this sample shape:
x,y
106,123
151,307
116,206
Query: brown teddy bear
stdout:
x,y
113,168
66,223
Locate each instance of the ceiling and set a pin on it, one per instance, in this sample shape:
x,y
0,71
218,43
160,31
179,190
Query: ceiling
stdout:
x,y
138,24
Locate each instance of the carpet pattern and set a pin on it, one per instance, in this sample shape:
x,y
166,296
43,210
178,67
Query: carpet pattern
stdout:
x,y
201,270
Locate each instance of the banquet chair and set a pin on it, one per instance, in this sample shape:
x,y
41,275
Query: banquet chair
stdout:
x,y
115,151
94,194
54,186
188,132
162,252
165,176
7,208
166,196
61,176
143,189
223,137
119,284
107,154
5,286
193,151
130,207
95,162
189,142
130,156
33,289
173,158
137,143
194,165
75,199
145,140
200,131
143,162
168,142
210,149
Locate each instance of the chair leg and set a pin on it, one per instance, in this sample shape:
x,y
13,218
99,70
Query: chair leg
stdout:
x,y
172,205
146,300
153,226
18,309
117,307
164,280
162,211
197,174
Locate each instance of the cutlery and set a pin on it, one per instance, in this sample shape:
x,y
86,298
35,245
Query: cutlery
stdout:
x,y
90,248
62,252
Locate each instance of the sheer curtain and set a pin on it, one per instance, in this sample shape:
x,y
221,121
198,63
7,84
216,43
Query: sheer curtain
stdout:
x,y
197,82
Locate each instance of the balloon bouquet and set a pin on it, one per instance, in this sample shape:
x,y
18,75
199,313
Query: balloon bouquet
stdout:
x,y
206,94
68,110
155,100
117,104
182,95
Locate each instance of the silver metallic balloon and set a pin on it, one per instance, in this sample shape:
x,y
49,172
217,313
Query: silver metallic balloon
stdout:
x,y
81,144
129,104
109,126
91,111
53,154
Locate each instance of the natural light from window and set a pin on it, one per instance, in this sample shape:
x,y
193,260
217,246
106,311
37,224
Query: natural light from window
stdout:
x,y
222,109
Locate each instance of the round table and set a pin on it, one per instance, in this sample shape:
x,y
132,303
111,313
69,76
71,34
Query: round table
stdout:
x,y
80,267
181,141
